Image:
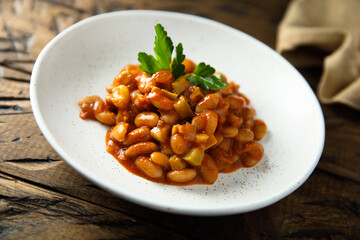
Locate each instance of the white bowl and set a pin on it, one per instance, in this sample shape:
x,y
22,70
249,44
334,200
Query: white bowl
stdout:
x,y
84,58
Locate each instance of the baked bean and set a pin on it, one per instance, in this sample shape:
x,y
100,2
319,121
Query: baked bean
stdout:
x,y
236,102
235,157
187,130
141,134
119,131
166,148
109,104
170,118
247,100
230,131
208,169
87,104
211,122
159,100
148,167
109,88
189,65
248,160
121,96
249,124
160,159
219,156
227,91
123,116
142,103
235,121
135,94
249,113
222,110
199,122
176,162
210,101
219,138
161,133
123,78
145,83
225,144
181,176
178,144
259,129
141,148
148,119
254,149
134,70
245,135
162,76
106,117
237,148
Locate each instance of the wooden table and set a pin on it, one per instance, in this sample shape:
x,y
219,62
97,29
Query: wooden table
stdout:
x,y
41,197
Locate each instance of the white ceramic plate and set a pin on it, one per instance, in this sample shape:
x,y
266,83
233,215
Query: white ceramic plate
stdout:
x,y
84,58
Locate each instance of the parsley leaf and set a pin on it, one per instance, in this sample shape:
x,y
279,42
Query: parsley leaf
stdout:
x,y
203,74
163,47
163,51
211,82
148,63
204,70
204,77
177,68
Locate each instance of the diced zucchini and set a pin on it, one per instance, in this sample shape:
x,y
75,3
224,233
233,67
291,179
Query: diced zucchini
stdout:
x,y
170,95
180,84
183,108
201,137
194,156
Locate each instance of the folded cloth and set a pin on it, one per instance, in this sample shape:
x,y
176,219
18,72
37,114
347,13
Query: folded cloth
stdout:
x,y
331,27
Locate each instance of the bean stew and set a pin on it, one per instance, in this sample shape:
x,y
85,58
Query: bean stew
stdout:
x,y
170,131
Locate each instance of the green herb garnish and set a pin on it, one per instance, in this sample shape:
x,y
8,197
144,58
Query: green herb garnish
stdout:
x,y
177,68
203,75
163,51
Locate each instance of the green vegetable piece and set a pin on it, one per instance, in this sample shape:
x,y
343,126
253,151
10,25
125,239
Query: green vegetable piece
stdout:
x,y
177,68
180,84
194,156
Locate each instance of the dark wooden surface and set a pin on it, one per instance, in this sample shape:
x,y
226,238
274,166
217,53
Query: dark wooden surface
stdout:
x,y
41,197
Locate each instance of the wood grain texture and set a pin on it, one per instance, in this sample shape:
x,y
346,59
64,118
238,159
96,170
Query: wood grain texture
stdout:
x,y
41,197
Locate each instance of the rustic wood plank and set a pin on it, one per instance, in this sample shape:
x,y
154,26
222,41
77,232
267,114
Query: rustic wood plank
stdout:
x,y
31,212
10,89
15,107
16,75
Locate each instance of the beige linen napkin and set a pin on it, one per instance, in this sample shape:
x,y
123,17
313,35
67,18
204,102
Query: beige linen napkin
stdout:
x,y
331,27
